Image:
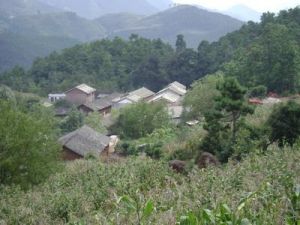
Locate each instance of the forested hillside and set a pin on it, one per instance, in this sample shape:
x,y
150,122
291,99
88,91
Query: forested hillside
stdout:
x,y
23,21
119,64
194,23
22,50
13,8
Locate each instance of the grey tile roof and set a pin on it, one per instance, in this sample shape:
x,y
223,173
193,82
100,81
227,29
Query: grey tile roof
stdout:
x,y
84,88
102,103
142,93
85,141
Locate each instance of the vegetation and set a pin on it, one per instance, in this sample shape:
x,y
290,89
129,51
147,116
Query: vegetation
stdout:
x,y
29,153
123,65
257,182
73,121
260,190
284,124
141,119
199,100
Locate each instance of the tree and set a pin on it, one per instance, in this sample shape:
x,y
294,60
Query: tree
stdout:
x,y
7,94
73,121
200,98
272,60
180,43
284,124
28,146
222,123
95,121
138,120
231,103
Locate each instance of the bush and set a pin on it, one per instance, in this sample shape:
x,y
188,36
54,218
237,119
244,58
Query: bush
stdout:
x,y
258,92
284,124
139,120
28,147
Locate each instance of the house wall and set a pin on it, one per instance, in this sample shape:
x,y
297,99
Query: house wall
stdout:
x,y
76,96
69,155
105,152
85,110
105,111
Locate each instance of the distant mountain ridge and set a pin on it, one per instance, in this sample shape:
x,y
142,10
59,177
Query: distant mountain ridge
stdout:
x,y
13,8
243,13
95,8
194,23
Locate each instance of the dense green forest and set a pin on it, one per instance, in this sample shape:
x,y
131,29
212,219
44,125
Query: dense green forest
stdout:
x,y
122,65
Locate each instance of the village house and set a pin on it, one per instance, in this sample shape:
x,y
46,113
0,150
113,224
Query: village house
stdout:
x,y
102,105
80,94
141,94
172,94
83,142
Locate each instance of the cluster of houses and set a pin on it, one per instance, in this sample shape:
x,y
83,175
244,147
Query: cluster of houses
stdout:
x,y
88,100
85,141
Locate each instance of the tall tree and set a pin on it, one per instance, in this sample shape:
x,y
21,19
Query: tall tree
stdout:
x,y
180,43
222,123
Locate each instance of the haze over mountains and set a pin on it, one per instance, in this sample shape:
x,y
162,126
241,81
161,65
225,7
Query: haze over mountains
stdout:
x,y
34,28
243,13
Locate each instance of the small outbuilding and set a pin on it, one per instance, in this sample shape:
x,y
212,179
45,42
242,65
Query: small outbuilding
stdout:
x,y
83,142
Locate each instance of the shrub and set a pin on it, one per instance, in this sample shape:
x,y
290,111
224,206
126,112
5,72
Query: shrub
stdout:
x,y
28,147
139,120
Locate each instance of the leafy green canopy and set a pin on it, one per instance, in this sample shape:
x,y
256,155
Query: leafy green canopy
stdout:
x,y
138,120
284,124
28,147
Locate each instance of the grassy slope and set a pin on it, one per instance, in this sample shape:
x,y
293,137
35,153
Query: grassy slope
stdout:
x,y
87,192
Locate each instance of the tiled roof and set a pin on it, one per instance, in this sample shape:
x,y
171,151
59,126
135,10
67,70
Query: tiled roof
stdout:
x,y
168,96
179,85
102,103
84,88
142,93
85,141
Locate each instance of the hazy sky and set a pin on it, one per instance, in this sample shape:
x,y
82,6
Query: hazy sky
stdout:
x,y
258,5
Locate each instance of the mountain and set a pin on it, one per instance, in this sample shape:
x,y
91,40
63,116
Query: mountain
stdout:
x,y
161,4
115,22
13,8
96,8
243,13
65,24
194,23
22,50
24,38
